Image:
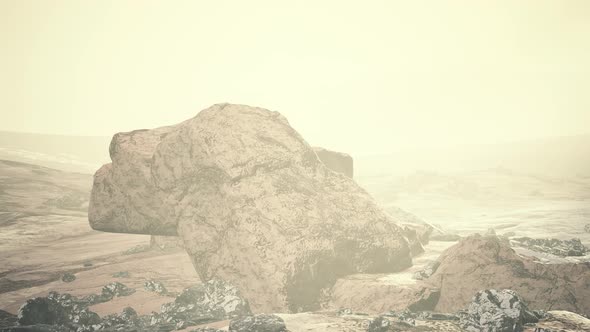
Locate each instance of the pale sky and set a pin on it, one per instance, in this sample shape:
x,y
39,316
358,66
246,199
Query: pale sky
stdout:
x,y
355,76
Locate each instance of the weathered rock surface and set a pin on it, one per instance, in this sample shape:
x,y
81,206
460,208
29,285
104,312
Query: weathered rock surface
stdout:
x,y
563,248
213,301
252,202
497,311
336,161
7,319
487,262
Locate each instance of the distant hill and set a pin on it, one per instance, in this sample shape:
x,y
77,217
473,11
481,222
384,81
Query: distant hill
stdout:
x,y
30,190
70,153
555,157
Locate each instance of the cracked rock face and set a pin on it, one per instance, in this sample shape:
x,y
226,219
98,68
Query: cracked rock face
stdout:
x,y
252,203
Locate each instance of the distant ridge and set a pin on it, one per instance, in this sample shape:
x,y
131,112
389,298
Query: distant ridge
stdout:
x,y
567,156
84,154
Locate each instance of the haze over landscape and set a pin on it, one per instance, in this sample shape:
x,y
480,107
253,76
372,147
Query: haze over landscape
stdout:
x,y
270,166
363,78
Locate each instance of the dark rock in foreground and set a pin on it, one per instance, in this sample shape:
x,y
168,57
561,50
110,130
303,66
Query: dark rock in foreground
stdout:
x,y
56,309
68,277
258,323
563,248
213,301
216,300
497,311
7,319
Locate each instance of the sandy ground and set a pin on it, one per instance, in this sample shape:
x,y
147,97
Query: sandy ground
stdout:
x,y
38,270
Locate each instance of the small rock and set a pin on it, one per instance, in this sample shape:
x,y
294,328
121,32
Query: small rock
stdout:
x,y
497,311
428,315
68,277
379,324
121,274
258,323
215,300
428,270
446,237
402,318
87,264
124,321
155,286
116,289
344,311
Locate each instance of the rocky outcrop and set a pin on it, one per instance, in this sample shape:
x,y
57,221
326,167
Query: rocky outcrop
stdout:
x,y
497,311
563,248
210,302
56,309
252,202
336,161
488,262
213,301
7,319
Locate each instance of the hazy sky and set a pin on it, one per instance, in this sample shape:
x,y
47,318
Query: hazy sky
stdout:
x,y
357,76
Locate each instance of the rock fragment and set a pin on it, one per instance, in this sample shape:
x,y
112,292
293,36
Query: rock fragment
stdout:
x,y
258,323
68,277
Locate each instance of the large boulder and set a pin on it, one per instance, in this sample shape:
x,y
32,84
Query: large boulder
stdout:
x,y
252,202
488,262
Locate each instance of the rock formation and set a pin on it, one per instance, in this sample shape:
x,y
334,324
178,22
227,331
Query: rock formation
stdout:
x,y
563,248
488,262
336,161
252,203
497,311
